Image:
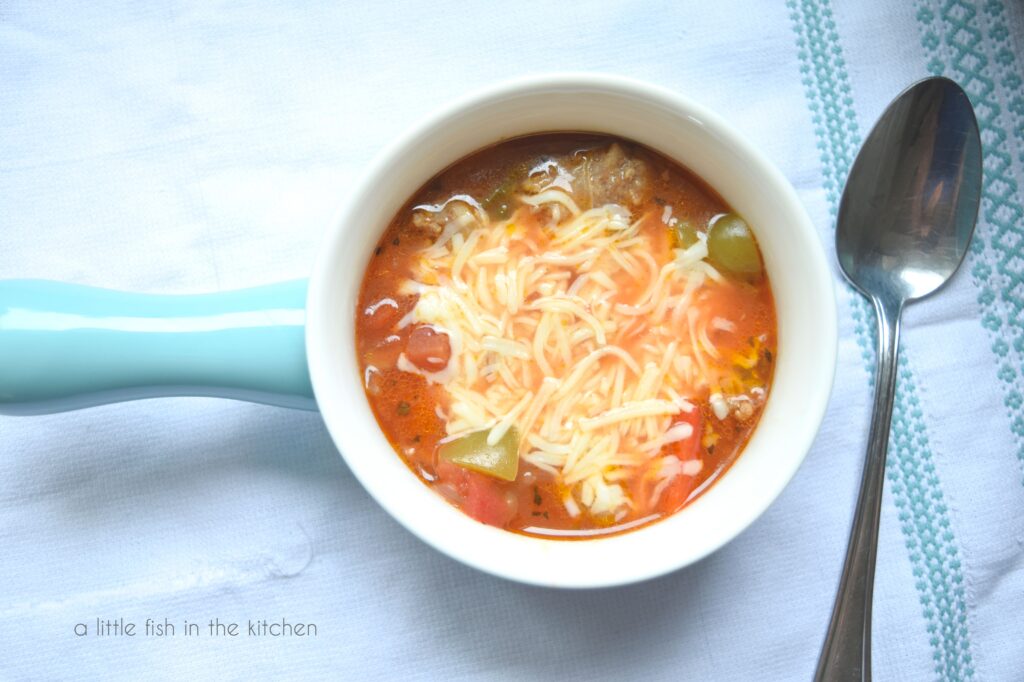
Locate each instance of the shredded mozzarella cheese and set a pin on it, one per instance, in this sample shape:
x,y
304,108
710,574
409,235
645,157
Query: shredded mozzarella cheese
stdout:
x,y
554,332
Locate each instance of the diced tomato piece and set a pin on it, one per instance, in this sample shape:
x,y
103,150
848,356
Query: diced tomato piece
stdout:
x,y
428,349
481,496
688,447
452,474
486,501
384,354
675,493
382,315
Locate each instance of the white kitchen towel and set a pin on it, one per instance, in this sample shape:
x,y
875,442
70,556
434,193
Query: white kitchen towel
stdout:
x,y
200,146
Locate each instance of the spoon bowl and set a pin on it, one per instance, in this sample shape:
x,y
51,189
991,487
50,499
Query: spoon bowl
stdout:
x,y
911,199
904,224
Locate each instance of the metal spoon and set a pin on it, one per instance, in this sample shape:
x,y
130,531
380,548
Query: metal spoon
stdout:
x,y
905,219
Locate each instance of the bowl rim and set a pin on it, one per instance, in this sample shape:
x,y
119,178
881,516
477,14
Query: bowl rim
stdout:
x,y
325,389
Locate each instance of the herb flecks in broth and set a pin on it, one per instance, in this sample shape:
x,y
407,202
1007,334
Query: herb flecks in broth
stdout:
x,y
585,330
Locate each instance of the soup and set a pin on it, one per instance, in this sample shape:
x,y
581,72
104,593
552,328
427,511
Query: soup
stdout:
x,y
567,335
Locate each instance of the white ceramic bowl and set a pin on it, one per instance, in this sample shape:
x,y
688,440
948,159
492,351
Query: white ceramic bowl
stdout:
x,y
699,140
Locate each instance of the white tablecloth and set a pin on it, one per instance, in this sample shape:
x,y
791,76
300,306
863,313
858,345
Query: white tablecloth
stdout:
x,y
203,146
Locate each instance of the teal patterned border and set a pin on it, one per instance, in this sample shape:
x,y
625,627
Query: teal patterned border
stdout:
x,y
916,489
954,38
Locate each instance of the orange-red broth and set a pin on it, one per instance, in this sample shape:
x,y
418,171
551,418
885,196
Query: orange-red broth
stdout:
x,y
404,403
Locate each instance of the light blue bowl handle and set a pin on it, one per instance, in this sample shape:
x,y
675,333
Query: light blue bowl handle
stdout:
x,y
65,346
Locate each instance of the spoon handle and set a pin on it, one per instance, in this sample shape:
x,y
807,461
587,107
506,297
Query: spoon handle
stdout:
x,y
846,654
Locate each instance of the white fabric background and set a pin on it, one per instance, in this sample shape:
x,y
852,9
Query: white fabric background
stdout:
x,y
204,146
